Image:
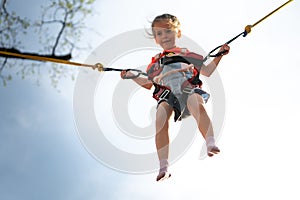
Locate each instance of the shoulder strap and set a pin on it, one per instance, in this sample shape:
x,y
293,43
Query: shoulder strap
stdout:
x,y
184,51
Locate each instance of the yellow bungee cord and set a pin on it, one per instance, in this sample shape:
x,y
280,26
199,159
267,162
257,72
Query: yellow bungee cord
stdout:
x,y
244,33
100,66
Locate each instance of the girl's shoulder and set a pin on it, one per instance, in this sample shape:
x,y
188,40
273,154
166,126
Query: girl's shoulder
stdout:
x,y
177,50
153,62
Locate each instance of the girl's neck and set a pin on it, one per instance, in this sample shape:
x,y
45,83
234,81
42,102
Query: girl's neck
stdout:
x,y
171,48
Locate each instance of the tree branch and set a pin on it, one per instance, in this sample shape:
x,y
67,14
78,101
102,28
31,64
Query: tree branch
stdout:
x,y
3,5
60,33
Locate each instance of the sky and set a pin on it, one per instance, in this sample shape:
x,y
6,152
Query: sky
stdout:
x,y
42,152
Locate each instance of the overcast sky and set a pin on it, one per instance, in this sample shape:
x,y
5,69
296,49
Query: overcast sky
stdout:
x,y
42,156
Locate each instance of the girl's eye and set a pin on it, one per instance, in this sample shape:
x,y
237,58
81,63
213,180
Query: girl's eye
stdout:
x,y
159,33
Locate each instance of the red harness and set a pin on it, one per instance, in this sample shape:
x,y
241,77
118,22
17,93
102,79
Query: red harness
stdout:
x,y
173,56
164,93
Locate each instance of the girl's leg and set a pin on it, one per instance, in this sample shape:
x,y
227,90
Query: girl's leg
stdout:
x,y
163,115
195,104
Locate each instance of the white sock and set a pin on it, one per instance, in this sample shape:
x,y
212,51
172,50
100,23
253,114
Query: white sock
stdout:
x,y
163,164
210,141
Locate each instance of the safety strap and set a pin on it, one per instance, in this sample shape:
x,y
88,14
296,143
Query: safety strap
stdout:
x,y
184,59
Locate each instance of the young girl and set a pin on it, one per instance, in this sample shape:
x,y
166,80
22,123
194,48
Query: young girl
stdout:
x,y
175,75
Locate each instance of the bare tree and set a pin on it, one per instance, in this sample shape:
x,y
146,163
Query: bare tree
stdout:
x,y
57,32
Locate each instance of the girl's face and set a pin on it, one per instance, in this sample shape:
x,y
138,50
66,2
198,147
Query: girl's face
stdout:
x,y
165,35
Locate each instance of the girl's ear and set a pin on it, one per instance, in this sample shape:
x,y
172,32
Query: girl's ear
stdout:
x,y
179,33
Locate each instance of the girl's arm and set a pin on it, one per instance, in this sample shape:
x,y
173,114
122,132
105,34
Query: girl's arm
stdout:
x,y
144,82
211,67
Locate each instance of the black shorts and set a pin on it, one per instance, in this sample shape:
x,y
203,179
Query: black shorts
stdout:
x,y
178,102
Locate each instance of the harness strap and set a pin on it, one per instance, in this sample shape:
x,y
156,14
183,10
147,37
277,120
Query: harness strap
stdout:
x,y
184,59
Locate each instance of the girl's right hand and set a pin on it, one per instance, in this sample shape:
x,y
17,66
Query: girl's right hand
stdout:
x,y
123,74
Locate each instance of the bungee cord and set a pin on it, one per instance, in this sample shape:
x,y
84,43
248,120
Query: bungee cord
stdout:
x,y
97,66
101,68
44,59
246,31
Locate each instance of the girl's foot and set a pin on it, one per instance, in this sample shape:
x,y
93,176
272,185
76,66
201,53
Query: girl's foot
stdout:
x,y
212,150
163,175
163,171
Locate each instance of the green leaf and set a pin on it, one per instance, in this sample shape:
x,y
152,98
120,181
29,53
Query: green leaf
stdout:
x,y
61,3
69,6
90,1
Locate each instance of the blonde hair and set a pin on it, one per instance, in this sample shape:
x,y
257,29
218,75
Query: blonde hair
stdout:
x,y
171,20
